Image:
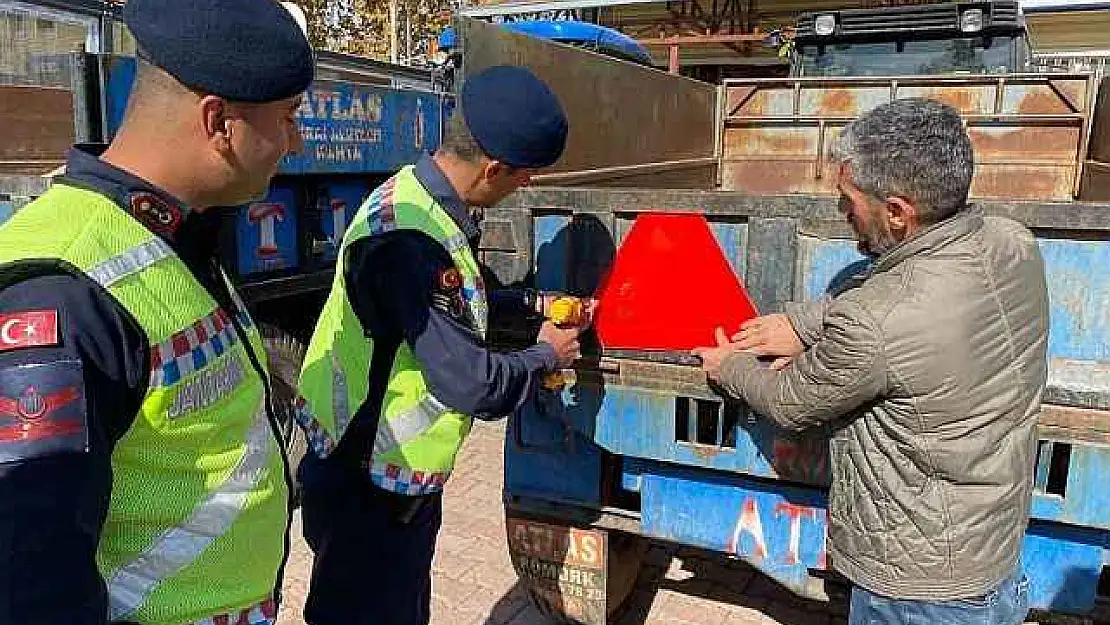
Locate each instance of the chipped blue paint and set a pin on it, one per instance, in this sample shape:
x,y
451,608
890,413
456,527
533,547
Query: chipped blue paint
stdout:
x,y
820,261
635,423
1086,499
733,239
780,529
1079,297
1063,565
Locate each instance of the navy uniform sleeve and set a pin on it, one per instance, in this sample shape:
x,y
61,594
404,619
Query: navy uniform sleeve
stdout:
x,y
512,301
460,370
73,370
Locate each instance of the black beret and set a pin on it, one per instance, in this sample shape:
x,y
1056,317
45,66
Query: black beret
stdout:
x,y
242,50
514,116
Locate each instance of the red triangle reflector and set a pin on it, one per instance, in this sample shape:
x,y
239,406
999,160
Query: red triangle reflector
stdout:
x,y
669,288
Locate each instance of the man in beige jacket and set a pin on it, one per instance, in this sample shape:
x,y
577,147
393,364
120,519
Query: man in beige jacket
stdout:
x,y
929,368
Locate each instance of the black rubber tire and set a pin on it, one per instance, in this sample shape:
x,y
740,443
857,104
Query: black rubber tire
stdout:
x,y
286,354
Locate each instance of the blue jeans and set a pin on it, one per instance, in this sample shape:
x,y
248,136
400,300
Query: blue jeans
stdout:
x,y
1007,604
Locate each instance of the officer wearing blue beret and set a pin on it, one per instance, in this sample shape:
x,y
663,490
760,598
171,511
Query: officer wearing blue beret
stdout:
x,y
140,467
398,365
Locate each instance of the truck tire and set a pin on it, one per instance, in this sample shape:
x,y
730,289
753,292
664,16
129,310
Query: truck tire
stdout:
x,y
286,354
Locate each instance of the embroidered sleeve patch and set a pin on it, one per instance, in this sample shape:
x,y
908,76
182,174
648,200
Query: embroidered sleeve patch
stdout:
x,y
42,410
449,279
32,328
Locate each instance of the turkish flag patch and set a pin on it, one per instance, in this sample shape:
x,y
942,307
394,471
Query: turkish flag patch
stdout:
x,y
32,328
42,410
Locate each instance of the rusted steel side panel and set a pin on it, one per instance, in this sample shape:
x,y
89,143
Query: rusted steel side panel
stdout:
x,y
1096,171
1028,131
38,128
621,114
1100,130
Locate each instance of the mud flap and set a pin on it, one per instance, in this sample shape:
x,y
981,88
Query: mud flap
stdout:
x,y
573,575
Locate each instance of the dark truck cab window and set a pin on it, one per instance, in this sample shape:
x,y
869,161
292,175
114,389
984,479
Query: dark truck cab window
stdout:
x,y
966,55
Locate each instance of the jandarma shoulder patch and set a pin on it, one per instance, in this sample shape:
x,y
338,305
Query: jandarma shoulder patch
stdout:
x,y
42,410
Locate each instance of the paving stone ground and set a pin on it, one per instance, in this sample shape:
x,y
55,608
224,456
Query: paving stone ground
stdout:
x,y
474,582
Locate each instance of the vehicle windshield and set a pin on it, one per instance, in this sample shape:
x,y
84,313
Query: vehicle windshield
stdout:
x,y
971,55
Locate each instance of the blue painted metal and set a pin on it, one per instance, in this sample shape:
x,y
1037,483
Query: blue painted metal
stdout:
x,y
547,458
447,39
336,204
638,423
351,128
1079,296
780,529
7,208
822,261
695,493
118,78
1085,500
603,39
347,128
1063,565
258,252
733,239
551,236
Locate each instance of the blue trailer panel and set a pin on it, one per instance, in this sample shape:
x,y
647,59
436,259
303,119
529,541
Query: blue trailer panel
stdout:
x,y
348,128
267,233
650,449
337,203
352,128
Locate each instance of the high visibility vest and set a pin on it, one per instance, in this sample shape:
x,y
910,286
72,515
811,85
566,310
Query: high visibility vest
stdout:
x,y
195,531
418,436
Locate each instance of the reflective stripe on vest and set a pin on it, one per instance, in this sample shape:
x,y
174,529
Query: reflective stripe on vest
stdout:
x,y
130,262
417,436
195,527
264,613
181,545
173,551
191,349
340,409
408,424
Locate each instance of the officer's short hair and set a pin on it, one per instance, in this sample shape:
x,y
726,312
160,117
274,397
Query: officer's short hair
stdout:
x,y
458,141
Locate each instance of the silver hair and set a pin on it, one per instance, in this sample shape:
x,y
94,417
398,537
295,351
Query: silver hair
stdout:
x,y
914,148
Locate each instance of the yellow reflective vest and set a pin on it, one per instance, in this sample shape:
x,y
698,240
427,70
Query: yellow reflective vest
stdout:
x,y
196,525
417,436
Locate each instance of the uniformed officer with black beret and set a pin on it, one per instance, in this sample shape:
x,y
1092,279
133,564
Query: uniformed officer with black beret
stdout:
x,y
398,364
141,472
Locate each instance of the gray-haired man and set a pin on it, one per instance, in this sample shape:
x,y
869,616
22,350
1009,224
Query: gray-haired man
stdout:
x,y
929,368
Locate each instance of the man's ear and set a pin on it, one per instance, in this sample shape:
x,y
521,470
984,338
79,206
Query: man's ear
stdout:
x,y
216,122
493,169
902,214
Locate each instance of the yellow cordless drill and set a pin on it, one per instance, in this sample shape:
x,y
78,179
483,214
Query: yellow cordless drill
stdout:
x,y
565,312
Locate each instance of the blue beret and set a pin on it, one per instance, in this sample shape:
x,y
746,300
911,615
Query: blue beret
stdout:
x,y
242,50
514,117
